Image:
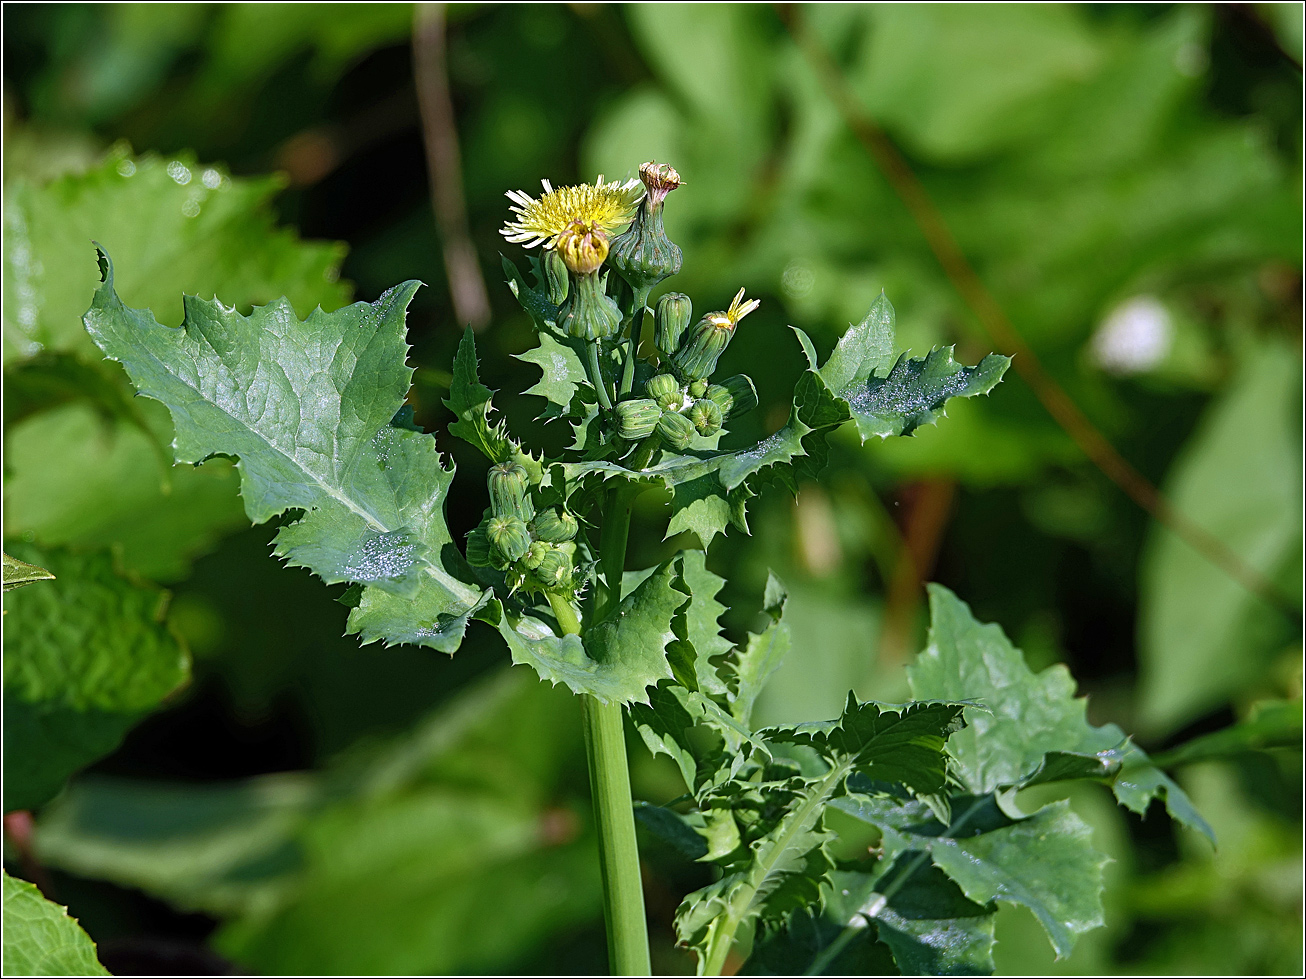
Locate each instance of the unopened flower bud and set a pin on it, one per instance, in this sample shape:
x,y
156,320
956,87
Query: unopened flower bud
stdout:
x,y
637,419
555,526
583,246
554,571
643,254
674,311
478,548
697,389
706,416
590,314
556,280
665,390
734,396
535,554
510,491
701,347
675,430
509,538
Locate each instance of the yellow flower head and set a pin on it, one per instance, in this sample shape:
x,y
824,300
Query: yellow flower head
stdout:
x,y
729,319
600,206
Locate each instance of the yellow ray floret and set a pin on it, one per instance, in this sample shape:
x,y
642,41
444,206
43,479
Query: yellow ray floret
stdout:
x,y
605,206
729,319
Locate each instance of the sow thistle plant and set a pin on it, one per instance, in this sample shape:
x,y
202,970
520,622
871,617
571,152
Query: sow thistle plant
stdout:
x,y
313,411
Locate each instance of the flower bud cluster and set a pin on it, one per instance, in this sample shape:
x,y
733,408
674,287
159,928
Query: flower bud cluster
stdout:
x,y
675,412
536,551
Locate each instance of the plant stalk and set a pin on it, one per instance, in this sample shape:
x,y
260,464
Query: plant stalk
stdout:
x,y
605,749
632,344
596,376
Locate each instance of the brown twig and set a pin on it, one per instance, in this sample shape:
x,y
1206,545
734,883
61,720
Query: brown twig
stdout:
x,y
466,284
994,321
928,506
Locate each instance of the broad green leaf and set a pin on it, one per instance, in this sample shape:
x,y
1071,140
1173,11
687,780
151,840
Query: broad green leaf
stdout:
x,y
307,407
563,372
1046,862
470,401
174,224
1035,729
86,656
755,661
865,350
19,573
77,478
40,939
1203,637
928,926
621,656
221,849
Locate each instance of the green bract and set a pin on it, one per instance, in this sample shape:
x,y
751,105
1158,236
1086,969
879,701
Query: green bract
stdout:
x,y
313,412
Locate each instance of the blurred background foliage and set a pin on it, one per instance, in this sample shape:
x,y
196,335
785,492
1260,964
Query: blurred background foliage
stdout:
x,y
1126,180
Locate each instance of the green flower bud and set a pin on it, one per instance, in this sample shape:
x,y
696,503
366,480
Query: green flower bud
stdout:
x,y
643,255
554,572
734,396
590,313
706,416
674,311
556,280
700,348
665,390
555,526
510,491
478,548
637,419
698,389
675,429
535,554
509,538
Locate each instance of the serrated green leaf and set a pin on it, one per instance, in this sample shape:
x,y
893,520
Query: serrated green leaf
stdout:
x,y
755,662
1046,862
19,573
306,406
470,401
175,226
621,656
40,939
928,925
563,372
86,657
865,349
698,631
1033,720
704,756
887,742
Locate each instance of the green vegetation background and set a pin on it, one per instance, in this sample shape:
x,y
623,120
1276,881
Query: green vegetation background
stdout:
x,y
1124,178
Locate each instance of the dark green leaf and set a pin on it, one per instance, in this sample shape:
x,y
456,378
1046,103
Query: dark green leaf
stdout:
x,y
86,656
754,662
470,402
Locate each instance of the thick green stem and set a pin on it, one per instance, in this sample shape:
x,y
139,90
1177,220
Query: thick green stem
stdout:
x,y
605,747
623,894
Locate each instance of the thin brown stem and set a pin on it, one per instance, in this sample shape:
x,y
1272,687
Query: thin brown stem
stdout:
x,y
444,167
1002,332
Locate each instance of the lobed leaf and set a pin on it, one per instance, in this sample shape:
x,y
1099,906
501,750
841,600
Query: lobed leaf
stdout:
x,y
1035,729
